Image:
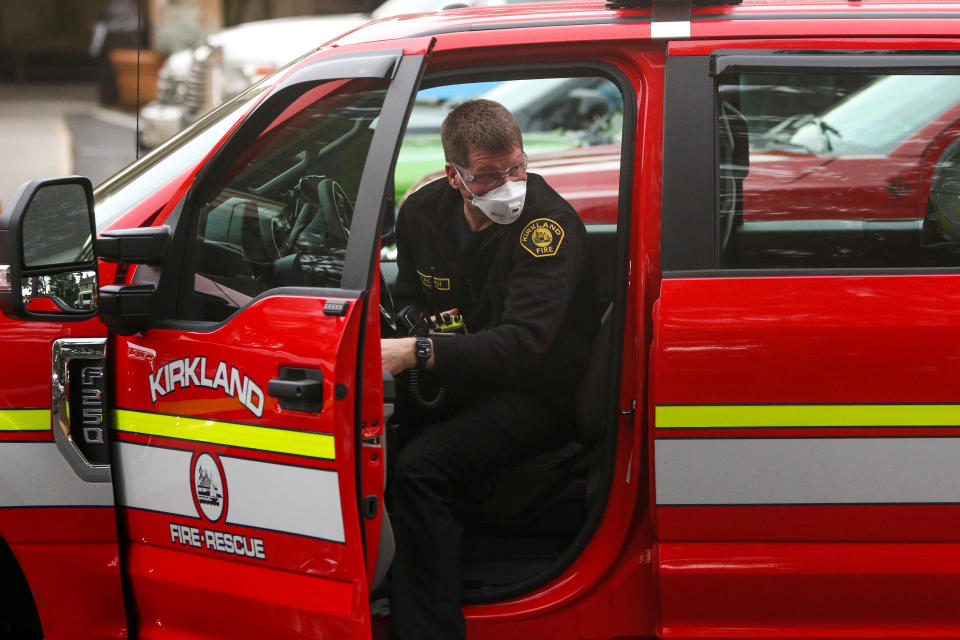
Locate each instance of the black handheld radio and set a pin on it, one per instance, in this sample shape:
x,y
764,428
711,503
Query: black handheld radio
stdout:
x,y
428,391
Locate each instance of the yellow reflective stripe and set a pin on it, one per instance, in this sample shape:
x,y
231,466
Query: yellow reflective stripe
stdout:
x,y
24,419
806,415
248,436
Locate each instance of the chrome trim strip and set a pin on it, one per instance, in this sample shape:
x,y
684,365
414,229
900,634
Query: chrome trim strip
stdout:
x,y
65,350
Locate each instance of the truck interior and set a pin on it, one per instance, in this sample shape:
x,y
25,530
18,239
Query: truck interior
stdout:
x,y
280,215
526,524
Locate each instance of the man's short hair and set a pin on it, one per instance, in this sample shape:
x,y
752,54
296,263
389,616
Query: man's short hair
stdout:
x,y
482,125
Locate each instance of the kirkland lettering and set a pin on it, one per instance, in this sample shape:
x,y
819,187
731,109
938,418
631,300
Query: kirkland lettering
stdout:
x,y
193,372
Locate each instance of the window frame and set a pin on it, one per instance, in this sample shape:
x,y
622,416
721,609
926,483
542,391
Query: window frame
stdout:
x,y
624,225
690,203
401,73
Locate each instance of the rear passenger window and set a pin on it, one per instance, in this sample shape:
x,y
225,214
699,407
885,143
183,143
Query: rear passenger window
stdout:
x,y
838,170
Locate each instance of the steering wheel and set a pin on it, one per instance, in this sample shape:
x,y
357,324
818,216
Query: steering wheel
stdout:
x,y
334,201
322,207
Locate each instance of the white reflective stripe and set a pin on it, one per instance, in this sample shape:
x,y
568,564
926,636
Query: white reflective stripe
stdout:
x,y
296,500
34,474
264,495
670,29
823,226
807,471
601,228
156,479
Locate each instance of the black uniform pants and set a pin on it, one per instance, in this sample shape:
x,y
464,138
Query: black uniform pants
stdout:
x,y
488,433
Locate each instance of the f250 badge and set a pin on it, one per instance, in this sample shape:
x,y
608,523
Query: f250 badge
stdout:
x,y
192,371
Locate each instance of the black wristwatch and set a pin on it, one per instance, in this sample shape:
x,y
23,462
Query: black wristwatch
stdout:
x,y
422,349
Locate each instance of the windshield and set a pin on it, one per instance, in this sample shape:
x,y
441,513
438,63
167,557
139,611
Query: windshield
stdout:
x,y
120,193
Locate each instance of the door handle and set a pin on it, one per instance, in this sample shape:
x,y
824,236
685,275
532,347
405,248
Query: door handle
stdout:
x,y
298,389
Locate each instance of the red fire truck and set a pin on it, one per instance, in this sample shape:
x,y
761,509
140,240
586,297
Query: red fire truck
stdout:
x,y
195,430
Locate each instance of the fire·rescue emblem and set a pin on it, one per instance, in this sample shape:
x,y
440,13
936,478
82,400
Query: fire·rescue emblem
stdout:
x,y
209,486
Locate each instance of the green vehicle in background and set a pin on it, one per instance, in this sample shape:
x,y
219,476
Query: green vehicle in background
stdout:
x,y
554,114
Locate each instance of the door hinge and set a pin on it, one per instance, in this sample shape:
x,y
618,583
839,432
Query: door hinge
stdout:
x,y
632,410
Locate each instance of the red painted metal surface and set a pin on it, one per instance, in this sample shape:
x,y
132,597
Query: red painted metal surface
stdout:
x,y
188,595
818,339
68,554
372,461
790,340
811,590
174,584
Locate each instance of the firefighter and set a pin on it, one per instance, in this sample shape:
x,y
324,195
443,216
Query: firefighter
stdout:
x,y
503,249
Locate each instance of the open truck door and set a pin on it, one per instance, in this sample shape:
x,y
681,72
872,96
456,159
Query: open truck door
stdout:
x,y
246,394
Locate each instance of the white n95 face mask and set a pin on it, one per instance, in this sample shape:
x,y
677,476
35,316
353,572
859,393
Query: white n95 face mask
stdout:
x,y
504,204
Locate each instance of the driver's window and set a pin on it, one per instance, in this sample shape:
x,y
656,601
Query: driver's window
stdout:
x,y
572,128
279,214
556,115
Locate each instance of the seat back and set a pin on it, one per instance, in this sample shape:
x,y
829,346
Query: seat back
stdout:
x,y
592,392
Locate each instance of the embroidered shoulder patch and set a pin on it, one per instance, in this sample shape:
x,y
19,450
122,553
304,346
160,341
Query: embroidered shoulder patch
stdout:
x,y
542,237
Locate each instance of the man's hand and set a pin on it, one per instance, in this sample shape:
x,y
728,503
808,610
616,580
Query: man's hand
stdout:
x,y
397,354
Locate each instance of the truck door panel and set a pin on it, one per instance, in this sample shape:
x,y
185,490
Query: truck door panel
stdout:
x,y
237,412
804,434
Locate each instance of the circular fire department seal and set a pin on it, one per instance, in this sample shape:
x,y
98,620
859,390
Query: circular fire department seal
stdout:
x,y
209,486
541,237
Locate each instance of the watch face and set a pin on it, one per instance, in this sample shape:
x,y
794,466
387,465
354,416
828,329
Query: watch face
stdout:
x,y
422,348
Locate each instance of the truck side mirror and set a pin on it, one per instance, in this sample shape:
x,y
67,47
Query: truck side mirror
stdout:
x,y
127,308
48,270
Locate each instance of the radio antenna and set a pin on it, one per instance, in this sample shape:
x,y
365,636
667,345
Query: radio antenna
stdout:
x,y
136,106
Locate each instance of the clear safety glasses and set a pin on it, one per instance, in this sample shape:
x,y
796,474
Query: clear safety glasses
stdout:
x,y
492,178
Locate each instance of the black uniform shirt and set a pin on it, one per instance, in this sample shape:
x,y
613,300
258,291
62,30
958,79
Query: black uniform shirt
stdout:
x,y
525,289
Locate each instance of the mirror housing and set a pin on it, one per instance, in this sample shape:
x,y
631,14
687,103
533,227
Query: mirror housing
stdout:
x,y
46,252
134,246
127,309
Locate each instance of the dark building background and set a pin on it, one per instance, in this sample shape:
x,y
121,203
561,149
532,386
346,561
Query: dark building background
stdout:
x,y
49,40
